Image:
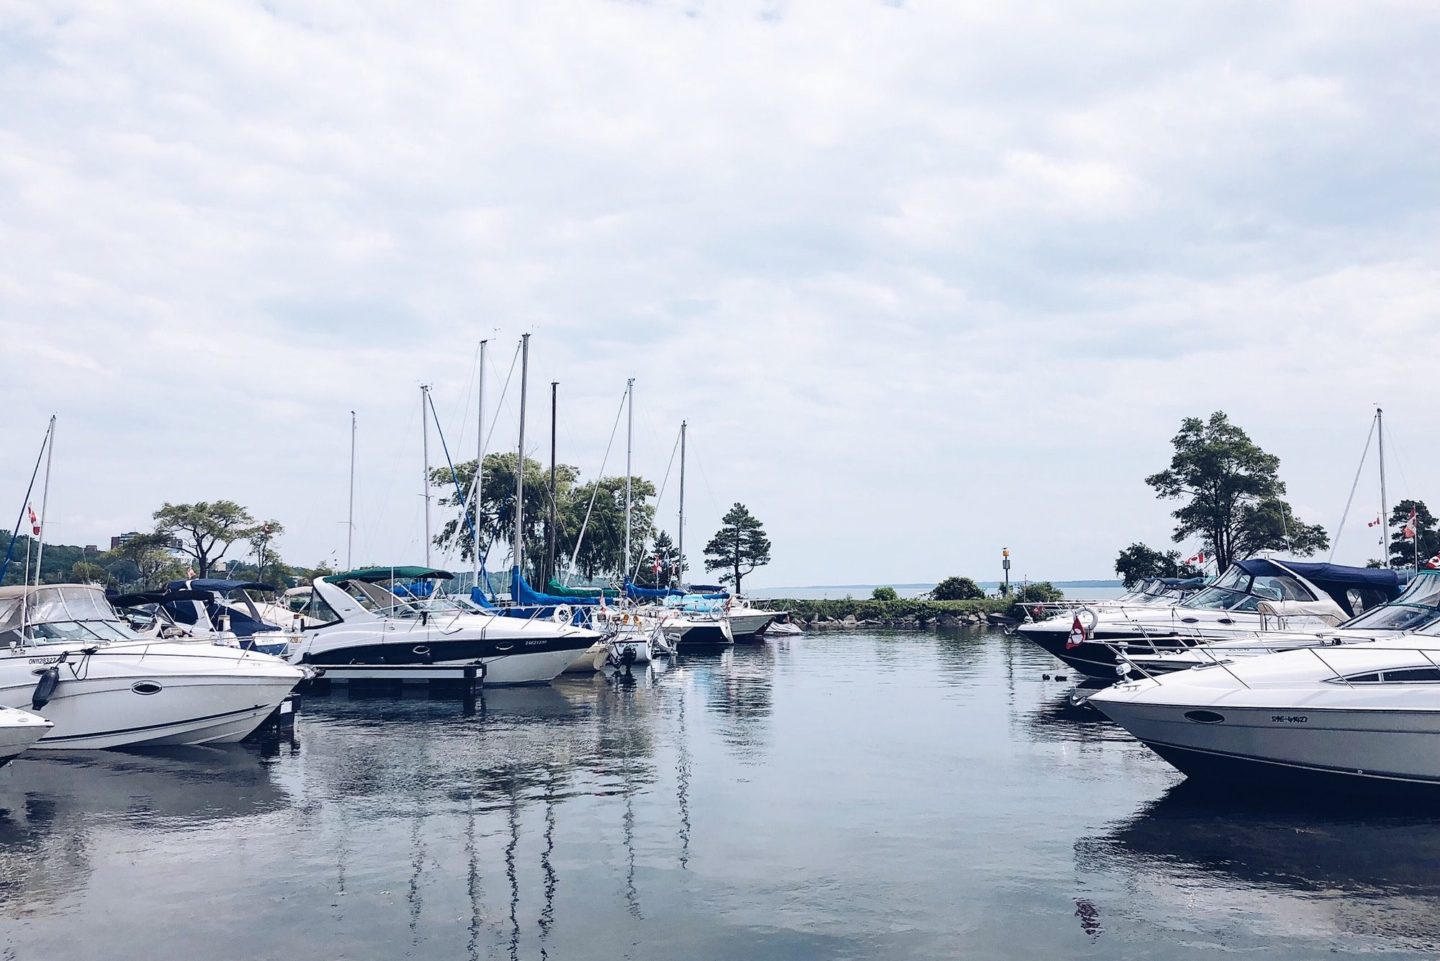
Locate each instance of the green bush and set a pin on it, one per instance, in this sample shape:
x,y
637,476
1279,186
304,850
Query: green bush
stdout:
x,y
884,594
957,589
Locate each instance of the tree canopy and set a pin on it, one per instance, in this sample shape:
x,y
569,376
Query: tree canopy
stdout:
x,y
206,529
1139,561
739,547
602,552
1232,494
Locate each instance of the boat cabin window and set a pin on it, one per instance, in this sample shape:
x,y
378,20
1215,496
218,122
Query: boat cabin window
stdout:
x,y
1404,675
378,600
1238,591
61,614
1417,608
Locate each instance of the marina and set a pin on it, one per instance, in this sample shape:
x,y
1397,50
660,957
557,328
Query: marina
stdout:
x,y
766,801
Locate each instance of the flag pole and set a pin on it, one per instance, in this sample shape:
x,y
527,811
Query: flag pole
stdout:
x,y
44,501
1384,516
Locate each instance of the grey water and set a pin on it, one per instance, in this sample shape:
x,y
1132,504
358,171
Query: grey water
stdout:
x,y
861,795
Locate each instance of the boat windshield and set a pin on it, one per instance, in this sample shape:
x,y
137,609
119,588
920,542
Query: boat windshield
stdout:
x,y
378,600
68,612
1238,591
1418,609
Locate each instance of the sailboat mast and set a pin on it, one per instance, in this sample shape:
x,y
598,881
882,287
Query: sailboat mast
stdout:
x,y
425,453
550,532
629,441
519,549
680,548
350,517
1384,506
45,500
479,466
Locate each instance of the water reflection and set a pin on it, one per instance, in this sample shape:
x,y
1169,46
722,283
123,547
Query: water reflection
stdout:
x,y
1060,718
51,805
1346,866
740,691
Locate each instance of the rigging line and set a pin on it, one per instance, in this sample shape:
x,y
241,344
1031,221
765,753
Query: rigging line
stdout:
x,y
1335,544
15,532
659,498
474,493
596,492
454,477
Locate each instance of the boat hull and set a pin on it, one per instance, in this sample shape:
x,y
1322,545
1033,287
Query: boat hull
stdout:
x,y
1093,658
506,660
143,696
749,626
19,730
1283,742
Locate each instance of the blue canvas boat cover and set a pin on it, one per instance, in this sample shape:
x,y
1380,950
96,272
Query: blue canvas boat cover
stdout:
x,y
217,585
525,595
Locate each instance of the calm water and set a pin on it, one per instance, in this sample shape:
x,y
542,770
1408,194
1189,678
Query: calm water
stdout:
x,y
838,796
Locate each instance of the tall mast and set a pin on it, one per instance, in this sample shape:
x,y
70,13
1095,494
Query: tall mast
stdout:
x,y
550,532
425,478
1384,505
350,518
680,565
629,438
45,500
479,466
520,461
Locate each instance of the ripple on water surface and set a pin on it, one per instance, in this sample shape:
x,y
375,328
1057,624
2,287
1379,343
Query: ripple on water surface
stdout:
x,y
894,795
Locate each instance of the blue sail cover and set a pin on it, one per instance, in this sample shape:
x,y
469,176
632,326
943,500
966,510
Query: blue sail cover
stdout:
x,y
523,594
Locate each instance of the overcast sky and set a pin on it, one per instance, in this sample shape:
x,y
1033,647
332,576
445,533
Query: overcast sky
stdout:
x,y
927,279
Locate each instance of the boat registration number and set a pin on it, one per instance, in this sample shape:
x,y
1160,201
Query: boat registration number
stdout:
x,y
1289,719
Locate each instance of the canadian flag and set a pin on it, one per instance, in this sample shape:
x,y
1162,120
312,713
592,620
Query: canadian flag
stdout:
x,y
1433,563
34,521
656,566
190,573
1374,523
1410,526
1077,634
1198,560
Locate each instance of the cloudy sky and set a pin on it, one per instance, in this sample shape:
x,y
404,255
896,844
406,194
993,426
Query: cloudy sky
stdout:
x,y
926,278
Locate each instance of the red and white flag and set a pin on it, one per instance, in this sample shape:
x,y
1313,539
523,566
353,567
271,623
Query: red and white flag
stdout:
x,y
1433,563
1198,560
656,566
1374,523
1077,634
34,521
1410,526
189,573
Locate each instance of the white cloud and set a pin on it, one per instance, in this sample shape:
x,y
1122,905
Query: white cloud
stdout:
x,y
926,279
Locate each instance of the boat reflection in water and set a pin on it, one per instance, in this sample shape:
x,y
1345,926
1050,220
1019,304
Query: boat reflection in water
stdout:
x,y
1365,876
55,810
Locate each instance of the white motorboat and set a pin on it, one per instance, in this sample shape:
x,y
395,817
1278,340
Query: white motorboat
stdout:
x,y
697,630
1417,610
355,628
65,654
1296,596
1364,714
748,622
18,731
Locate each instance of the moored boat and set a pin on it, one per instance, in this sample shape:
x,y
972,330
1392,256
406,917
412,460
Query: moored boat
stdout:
x,y
18,731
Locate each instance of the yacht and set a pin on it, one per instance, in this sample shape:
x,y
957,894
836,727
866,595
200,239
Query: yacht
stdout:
x,y
748,622
66,655
1417,610
18,731
356,628
1354,715
1253,594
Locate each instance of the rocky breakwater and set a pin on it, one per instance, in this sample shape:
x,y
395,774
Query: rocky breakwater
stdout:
x,y
811,615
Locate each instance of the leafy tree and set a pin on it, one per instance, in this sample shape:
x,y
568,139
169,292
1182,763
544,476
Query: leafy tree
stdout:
x,y
1038,592
956,589
1233,496
739,547
602,551
884,594
150,556
1139,561
266,559
1427,534
206,529
88,572
603,548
